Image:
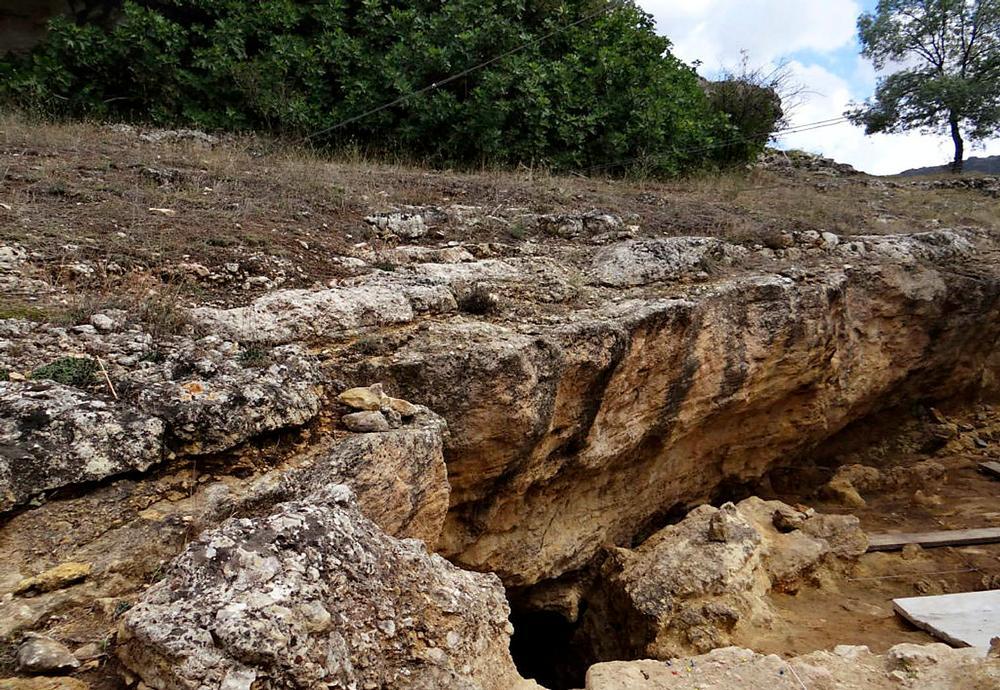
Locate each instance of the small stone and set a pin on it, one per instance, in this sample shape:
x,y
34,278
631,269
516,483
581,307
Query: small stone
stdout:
x,y
726,525
54,578
370,398
89,651
830,241
912,551
786,519
40,654
402,407
366,422
42,683
102,322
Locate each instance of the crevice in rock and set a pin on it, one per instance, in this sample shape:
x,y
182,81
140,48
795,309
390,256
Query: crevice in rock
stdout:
x,y
546,648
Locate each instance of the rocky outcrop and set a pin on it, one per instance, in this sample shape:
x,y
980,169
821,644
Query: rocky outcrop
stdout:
x,y
934,667
581,433
691,585
317,594
53,436
111,541
399,477
218,404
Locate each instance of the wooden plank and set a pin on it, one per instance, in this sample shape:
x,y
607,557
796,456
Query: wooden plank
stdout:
x,y
990,468
961,620
958,537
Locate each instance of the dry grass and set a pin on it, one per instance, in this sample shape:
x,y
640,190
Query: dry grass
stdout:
x,y
82,192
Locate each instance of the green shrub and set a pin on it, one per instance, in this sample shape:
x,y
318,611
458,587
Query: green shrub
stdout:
x,y
69,371
604,91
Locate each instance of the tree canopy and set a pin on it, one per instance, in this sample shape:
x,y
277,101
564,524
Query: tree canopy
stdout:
x,y
579,83
945,57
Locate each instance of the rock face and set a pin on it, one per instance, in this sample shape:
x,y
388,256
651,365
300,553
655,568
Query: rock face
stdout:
x,y
317,594
52,436
214,412
692,584
111,541
930,667
577,434
399,477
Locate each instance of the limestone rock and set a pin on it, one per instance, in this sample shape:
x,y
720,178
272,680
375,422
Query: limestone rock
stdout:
x,y
374,399
212,413
366,422
317,594
58,577
289,315
369,398
42,683
130,530
691,584
641,262
930,667
409,226
40,654
569,435
52,436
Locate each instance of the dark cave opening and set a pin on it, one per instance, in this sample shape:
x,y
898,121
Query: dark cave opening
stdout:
x,y
545,649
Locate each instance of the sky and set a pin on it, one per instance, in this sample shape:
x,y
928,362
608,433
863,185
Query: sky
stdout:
x,y
818,39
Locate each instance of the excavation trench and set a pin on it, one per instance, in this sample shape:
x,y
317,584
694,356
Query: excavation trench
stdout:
x,y
918,472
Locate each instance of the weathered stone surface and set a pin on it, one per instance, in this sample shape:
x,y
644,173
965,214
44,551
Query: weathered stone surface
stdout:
x,y
42,683
634,263
40,654
290,315
692,584
317,594
930,667
53,436
572,435
366,422
219,408
129,530
61,576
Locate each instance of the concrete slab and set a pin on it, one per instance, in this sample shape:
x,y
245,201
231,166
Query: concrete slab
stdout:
x,y
961,620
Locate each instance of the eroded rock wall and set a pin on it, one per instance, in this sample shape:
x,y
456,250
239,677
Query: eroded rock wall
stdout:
x,y
585,433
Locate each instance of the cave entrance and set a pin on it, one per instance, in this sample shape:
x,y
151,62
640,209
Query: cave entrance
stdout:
x,y
545,649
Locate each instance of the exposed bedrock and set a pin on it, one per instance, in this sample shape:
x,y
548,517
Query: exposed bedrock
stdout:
x,y
314,595
587,432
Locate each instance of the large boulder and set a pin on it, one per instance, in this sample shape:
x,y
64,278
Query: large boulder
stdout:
x,y
316,595
691,585
54,436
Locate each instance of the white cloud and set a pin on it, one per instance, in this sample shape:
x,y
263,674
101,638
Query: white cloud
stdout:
x,y
715,31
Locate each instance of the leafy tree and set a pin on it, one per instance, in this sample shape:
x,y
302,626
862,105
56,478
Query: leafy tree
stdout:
x,y
756,101
947,59
581,83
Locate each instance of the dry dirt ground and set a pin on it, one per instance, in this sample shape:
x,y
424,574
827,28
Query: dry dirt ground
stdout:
x,y
148,215
855,607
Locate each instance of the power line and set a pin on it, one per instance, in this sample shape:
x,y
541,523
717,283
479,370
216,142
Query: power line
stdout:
x,y
466,72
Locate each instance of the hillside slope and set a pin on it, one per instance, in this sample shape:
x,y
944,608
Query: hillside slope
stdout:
x,y
268,419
